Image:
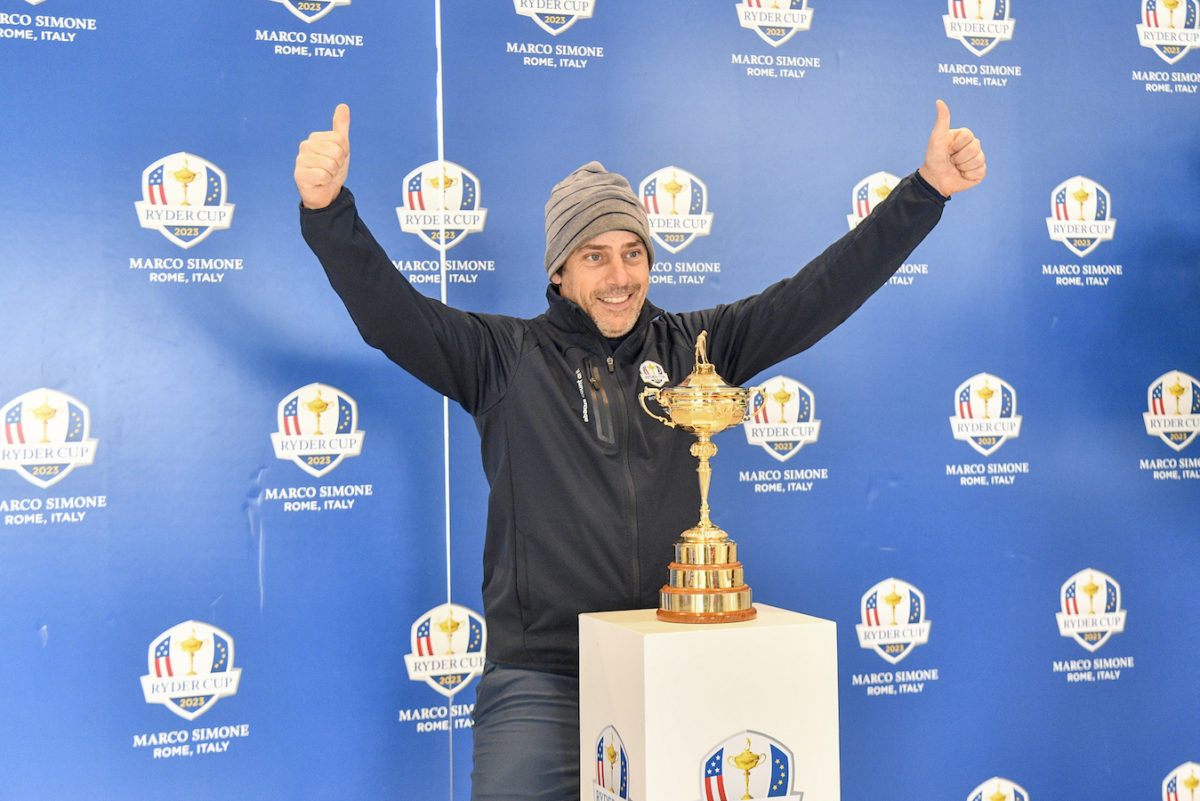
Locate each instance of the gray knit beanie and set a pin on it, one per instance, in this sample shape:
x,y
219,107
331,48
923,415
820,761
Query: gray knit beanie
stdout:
x,y
589,202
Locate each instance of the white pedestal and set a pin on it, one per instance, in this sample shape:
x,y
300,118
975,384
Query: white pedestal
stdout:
x,y
663,698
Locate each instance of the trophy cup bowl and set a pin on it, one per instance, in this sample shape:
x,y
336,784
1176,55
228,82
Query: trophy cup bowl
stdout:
x,y
706,581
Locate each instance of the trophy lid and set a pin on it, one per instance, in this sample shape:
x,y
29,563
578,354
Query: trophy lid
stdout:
x,y
704,378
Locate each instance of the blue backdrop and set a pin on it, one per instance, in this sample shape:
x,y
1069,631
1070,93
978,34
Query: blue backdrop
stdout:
x,y
226,559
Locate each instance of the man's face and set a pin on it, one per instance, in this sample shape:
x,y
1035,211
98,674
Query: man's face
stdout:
x,y
607,277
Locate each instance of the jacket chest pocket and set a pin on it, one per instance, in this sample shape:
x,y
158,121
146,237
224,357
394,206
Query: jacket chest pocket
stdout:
x,y
600,401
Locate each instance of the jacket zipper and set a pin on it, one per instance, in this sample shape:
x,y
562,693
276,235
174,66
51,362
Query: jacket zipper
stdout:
x,y
630,487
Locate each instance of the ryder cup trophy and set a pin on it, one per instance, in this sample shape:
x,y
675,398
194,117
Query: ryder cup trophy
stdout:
x,y
706,584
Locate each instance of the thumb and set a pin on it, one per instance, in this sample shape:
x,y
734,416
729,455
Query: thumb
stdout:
x,y
341,119
942,124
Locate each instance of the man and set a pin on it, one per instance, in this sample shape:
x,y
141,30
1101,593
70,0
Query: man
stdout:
x,y
587,493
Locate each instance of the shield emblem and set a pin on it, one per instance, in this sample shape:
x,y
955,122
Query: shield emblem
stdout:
x,y
190,669
893,619
183,198
317,427
985,413
1088,619
550,17
979,25
1174,409
311,10
448,645
775,25
441,204
676,204
46,434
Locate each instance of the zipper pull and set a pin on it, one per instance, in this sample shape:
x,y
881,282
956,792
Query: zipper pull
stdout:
x,y
611,369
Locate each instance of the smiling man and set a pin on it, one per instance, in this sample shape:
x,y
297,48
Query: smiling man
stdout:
x,y
587,493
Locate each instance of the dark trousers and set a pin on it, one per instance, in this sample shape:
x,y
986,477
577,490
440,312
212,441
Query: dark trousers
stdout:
x,y
526,732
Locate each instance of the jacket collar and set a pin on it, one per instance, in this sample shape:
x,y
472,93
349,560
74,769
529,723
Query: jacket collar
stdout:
x,y
567,316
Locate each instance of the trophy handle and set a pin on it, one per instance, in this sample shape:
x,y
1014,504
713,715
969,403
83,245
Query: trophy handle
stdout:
x,y
653,391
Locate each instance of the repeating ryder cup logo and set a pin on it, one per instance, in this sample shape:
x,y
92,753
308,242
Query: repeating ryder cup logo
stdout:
x,y
191,668
1081,215
312,409
869,193
183,196
555,16
983,420
310,10
1185,776
902,627
1174,409
759,763
780,417
997,789
46,436
447,648
979,24
612,768
1159,31
1080,619
773,24
441,204
677,207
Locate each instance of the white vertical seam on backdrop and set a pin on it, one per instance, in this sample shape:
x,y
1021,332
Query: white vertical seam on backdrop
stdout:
x,y
441,155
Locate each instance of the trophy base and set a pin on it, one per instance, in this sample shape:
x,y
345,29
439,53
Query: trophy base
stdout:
x,y
706,584
678,605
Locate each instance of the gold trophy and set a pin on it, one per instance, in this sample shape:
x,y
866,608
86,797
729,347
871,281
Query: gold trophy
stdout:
x,y
706,584
45,413
746,762
190,646
184,176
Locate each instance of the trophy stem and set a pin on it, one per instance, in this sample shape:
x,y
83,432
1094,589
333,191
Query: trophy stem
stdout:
x,y
704,449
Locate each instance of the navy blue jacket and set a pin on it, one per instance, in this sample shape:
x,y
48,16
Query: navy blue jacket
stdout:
x,y
588,493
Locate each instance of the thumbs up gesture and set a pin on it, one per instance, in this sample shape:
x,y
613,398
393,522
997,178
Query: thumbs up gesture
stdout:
x,y
324,161
954,158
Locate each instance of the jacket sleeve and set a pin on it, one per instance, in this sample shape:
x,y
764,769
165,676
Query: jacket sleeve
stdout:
x,y
750,335
467,357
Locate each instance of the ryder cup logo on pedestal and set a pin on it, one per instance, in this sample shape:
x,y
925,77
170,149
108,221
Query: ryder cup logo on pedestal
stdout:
x,y
1080,618
1182,778
183,196
1169,29
750,761
869,193
611,782
45,436
448,645
986,413
1174,409
979,24
677,207
555,16
775,24
780,417
997,789
311,10
900,627
441,204
302,417
191,668
1081,215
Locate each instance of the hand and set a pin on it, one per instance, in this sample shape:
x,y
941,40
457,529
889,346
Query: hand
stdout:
x,y
324,161
954,159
